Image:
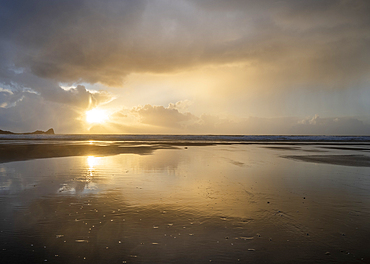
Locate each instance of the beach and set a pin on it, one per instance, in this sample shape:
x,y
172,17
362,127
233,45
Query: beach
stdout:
x,y
194,200
193,131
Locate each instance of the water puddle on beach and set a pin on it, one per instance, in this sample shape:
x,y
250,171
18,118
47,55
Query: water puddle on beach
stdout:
x,y
219,204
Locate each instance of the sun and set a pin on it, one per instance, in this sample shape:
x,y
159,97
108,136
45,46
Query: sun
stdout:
x,y
96,116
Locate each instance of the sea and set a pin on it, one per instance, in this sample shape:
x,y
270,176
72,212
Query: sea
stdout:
x,y
184,138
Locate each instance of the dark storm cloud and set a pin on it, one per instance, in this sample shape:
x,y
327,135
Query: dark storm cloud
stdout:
x,y
68,40
95,41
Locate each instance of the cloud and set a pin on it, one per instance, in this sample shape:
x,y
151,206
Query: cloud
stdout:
x,y
169,117
35,113
23,110
9,99
17,81
180,105
78,97
331,126
160,119
85,40
70,40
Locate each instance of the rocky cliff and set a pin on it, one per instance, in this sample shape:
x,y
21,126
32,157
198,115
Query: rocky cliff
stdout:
x,y
37,132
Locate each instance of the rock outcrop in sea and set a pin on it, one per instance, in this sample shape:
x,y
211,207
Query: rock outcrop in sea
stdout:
x,y
37,132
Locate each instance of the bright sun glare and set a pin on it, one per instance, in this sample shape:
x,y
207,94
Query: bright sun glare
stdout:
x,y
96,116
92,161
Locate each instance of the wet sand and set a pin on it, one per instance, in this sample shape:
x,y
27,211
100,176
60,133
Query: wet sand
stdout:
x,y
40,150
19,152
109,202
344,160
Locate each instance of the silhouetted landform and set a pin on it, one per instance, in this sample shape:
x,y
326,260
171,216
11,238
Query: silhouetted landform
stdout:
x,y
19,152
5,132
37,132
345,160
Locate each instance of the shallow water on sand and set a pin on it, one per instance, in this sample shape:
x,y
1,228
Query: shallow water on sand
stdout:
x,y
201,204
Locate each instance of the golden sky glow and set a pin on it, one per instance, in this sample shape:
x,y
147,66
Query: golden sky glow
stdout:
x,y
189,67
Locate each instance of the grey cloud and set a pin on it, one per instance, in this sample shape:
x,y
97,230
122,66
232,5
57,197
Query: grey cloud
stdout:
x,y
69,40
78,97
19,80
92,41
308,13
326,13
281,126
331,126
9,98
45,107
34,113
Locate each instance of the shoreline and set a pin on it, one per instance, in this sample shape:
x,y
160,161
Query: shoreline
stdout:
x,y
22,152
241,139
29,150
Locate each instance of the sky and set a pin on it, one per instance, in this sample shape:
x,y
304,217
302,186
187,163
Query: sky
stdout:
x,y
185,66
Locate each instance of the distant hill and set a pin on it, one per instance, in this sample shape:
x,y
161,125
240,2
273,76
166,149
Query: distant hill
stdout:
x,y
37,132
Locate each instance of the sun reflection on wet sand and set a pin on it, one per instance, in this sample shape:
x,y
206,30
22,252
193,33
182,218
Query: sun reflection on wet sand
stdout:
x,y
220,203
92,161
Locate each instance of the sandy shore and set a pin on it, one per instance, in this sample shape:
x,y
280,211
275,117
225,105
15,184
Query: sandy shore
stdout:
x,y
183,202
19,152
